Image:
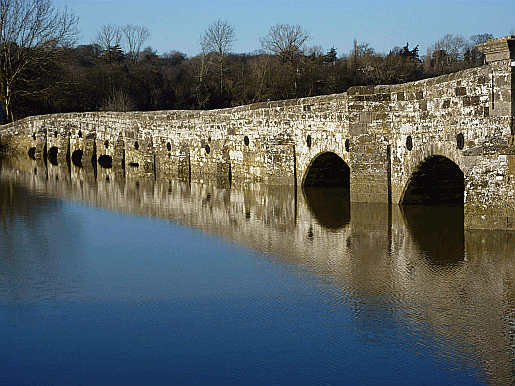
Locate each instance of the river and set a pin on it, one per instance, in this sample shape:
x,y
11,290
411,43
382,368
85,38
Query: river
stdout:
x,y
112,280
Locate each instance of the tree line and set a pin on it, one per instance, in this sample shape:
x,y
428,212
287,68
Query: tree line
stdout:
x,y
42,70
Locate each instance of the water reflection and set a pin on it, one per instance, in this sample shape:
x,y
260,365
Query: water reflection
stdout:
x,y
411,269
438,231
330,206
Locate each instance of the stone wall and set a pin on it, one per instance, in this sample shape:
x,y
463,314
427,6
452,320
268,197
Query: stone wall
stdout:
x,y
383,133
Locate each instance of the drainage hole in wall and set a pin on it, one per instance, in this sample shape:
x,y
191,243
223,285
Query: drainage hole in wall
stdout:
x,y
409,143
460,141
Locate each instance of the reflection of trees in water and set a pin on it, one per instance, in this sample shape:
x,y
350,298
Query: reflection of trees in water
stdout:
x,y
438,230
17,201
35,235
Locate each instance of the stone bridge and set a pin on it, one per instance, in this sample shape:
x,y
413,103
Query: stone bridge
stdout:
x,y
444,140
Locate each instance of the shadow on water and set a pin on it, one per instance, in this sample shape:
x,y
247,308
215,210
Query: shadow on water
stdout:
x,y
330,206
438,230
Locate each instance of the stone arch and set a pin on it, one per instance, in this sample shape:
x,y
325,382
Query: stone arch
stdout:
x,y
105,161
403,169
52,155
437,179
76,158
327,169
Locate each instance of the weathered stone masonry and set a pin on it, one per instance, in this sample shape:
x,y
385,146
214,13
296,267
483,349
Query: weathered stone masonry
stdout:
x,y
390,137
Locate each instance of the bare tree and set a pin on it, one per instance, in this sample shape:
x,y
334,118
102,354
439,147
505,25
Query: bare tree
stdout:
x,y
448,49
481,38
259,67
134,38
118,100
362,54
202,70
285,40
109,38
218,40
32,34
472,54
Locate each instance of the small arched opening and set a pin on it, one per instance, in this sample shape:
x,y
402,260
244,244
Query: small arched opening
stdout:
x,y
32,153
437,181
52,155
105,161
77,158
328,170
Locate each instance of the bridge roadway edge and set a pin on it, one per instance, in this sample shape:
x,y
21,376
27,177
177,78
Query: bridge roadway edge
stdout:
x,y
383,133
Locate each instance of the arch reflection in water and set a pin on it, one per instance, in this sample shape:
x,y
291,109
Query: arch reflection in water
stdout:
x,y
438,231
330,206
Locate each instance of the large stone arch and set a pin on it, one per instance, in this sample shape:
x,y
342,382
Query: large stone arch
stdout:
x,y
327,169
437,180
436,174
53,155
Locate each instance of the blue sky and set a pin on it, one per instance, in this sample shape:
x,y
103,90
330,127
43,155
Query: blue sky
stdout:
x,y
384,24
